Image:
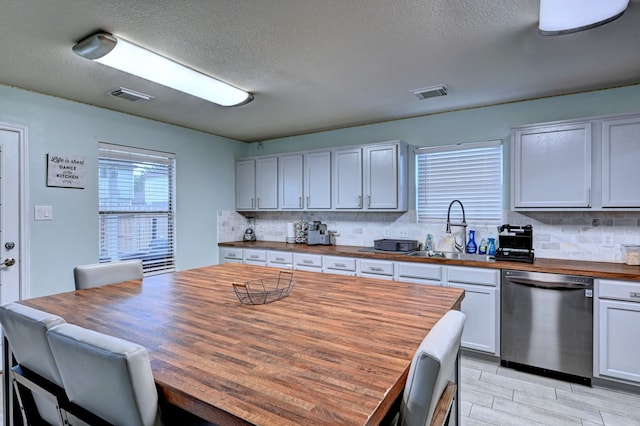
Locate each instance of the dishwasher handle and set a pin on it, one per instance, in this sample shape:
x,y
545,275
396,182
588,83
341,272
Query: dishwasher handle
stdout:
x,y
557,285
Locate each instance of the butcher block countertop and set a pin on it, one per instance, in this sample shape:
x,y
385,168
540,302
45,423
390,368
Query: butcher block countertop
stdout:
x,y
557,266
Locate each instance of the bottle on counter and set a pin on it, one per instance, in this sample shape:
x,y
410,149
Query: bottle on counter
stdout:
x,y
428,244
472,247
483,247
492,246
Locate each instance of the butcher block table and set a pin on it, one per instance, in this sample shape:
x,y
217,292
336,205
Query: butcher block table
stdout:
x,y
336,351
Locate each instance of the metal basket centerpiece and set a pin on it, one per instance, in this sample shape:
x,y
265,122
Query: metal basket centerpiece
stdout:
x,y
265,290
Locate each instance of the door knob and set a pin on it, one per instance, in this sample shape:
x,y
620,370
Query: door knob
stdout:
x,y
8,262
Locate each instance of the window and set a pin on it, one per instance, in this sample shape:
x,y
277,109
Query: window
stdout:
x,y
136,211
471,173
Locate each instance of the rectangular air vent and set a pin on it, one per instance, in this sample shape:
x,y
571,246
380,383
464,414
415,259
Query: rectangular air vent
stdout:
x,y
130,95
431,92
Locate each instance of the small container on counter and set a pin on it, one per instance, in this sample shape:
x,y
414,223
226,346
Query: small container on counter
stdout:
x,y
631,254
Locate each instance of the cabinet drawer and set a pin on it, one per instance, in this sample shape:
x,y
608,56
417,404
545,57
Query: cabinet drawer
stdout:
x,y
255,255
232,253
376,267
340,263
279,257
621,290
481,276
308,260
419,270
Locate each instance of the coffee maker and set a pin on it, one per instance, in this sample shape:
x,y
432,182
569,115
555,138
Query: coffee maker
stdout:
x,y
318,234
516,243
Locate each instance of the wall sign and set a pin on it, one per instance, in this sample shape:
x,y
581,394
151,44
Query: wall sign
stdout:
x,y
66,171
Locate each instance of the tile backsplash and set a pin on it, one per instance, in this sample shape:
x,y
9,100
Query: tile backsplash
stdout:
x,y
594,236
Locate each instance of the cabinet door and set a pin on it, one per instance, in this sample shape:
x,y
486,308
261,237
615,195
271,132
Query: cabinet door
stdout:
x,y
619,342
245,184
267,183
551,166
480,307
347,187
381,177
317,180
620,162
290,180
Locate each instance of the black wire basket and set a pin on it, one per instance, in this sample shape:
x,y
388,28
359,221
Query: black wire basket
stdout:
x,y
265,290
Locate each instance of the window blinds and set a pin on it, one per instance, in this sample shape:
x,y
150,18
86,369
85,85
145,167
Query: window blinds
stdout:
x,y
471,173
136,206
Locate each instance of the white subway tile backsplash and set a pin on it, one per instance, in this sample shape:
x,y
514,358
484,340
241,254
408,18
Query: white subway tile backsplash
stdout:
x,y
559,235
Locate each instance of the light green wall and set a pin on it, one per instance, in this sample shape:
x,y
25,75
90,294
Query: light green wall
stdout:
x,y
477,124
204,170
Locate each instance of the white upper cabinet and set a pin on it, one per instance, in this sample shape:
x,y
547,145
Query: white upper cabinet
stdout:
x,y
366,177
317,180
621,162
551,166
381,176
257,184
372,177
290,180
590,164
347,178
246,184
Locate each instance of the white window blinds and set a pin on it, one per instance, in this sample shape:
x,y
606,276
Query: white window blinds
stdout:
x,y
136,211
471,173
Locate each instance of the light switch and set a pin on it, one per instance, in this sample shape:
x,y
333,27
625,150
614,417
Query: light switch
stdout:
x,y
44,213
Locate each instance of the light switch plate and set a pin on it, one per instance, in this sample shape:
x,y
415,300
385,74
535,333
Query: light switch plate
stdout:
x,y
43,213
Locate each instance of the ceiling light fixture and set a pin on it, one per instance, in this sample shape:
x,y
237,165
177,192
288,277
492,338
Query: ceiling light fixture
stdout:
x,y
570,16
125,56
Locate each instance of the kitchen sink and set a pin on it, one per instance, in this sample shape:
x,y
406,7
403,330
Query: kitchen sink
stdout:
x,y
452,255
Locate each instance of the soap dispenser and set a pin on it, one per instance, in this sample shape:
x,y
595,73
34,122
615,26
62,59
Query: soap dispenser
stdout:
x,y
471,245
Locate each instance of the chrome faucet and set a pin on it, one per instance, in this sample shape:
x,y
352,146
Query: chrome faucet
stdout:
x,y
458,247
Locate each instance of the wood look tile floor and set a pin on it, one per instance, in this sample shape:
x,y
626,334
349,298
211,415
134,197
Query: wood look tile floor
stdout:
x,y
495,395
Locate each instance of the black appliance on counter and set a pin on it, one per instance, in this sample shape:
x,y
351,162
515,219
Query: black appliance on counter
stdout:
x,y
403,246
515,243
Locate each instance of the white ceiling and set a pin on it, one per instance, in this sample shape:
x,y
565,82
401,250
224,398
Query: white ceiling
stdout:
x,y
315,64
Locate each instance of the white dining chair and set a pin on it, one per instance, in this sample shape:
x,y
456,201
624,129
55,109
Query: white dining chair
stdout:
x,y
107,376
98,274
429,387
36,379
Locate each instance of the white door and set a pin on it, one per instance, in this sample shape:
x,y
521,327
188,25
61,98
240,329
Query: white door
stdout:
x,y
381,170
317,180
290,180
10,259
347,175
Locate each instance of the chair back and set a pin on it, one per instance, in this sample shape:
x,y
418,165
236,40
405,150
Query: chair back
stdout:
x,y
432,367
105,375
98,274
26,330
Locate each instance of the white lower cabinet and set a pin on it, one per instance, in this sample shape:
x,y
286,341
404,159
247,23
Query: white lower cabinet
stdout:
x,y
481,306
371,268
280,259
230,255
255,257
618,331
307,262
339,265
418,273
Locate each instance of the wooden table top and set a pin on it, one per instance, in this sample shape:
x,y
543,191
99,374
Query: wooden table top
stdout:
x,y
336,351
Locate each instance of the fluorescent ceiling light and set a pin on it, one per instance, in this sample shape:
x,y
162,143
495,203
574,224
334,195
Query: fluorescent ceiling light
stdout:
x,y
130,58
569,16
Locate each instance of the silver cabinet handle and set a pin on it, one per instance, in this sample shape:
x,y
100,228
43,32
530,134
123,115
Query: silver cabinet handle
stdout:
x,y
254,256
307,261
369,201
339,265
360,201
300,202
634,294
258,202
376,269
10,261
280,259
307,201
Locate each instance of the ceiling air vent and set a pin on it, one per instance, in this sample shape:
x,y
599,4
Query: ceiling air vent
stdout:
x,y
130,95
431,92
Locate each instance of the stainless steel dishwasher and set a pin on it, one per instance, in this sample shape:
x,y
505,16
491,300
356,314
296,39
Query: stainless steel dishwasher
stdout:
x,y
547,324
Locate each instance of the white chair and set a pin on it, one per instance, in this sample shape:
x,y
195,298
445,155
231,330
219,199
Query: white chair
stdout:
x,y
432,368
98,274
107,376
36,379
